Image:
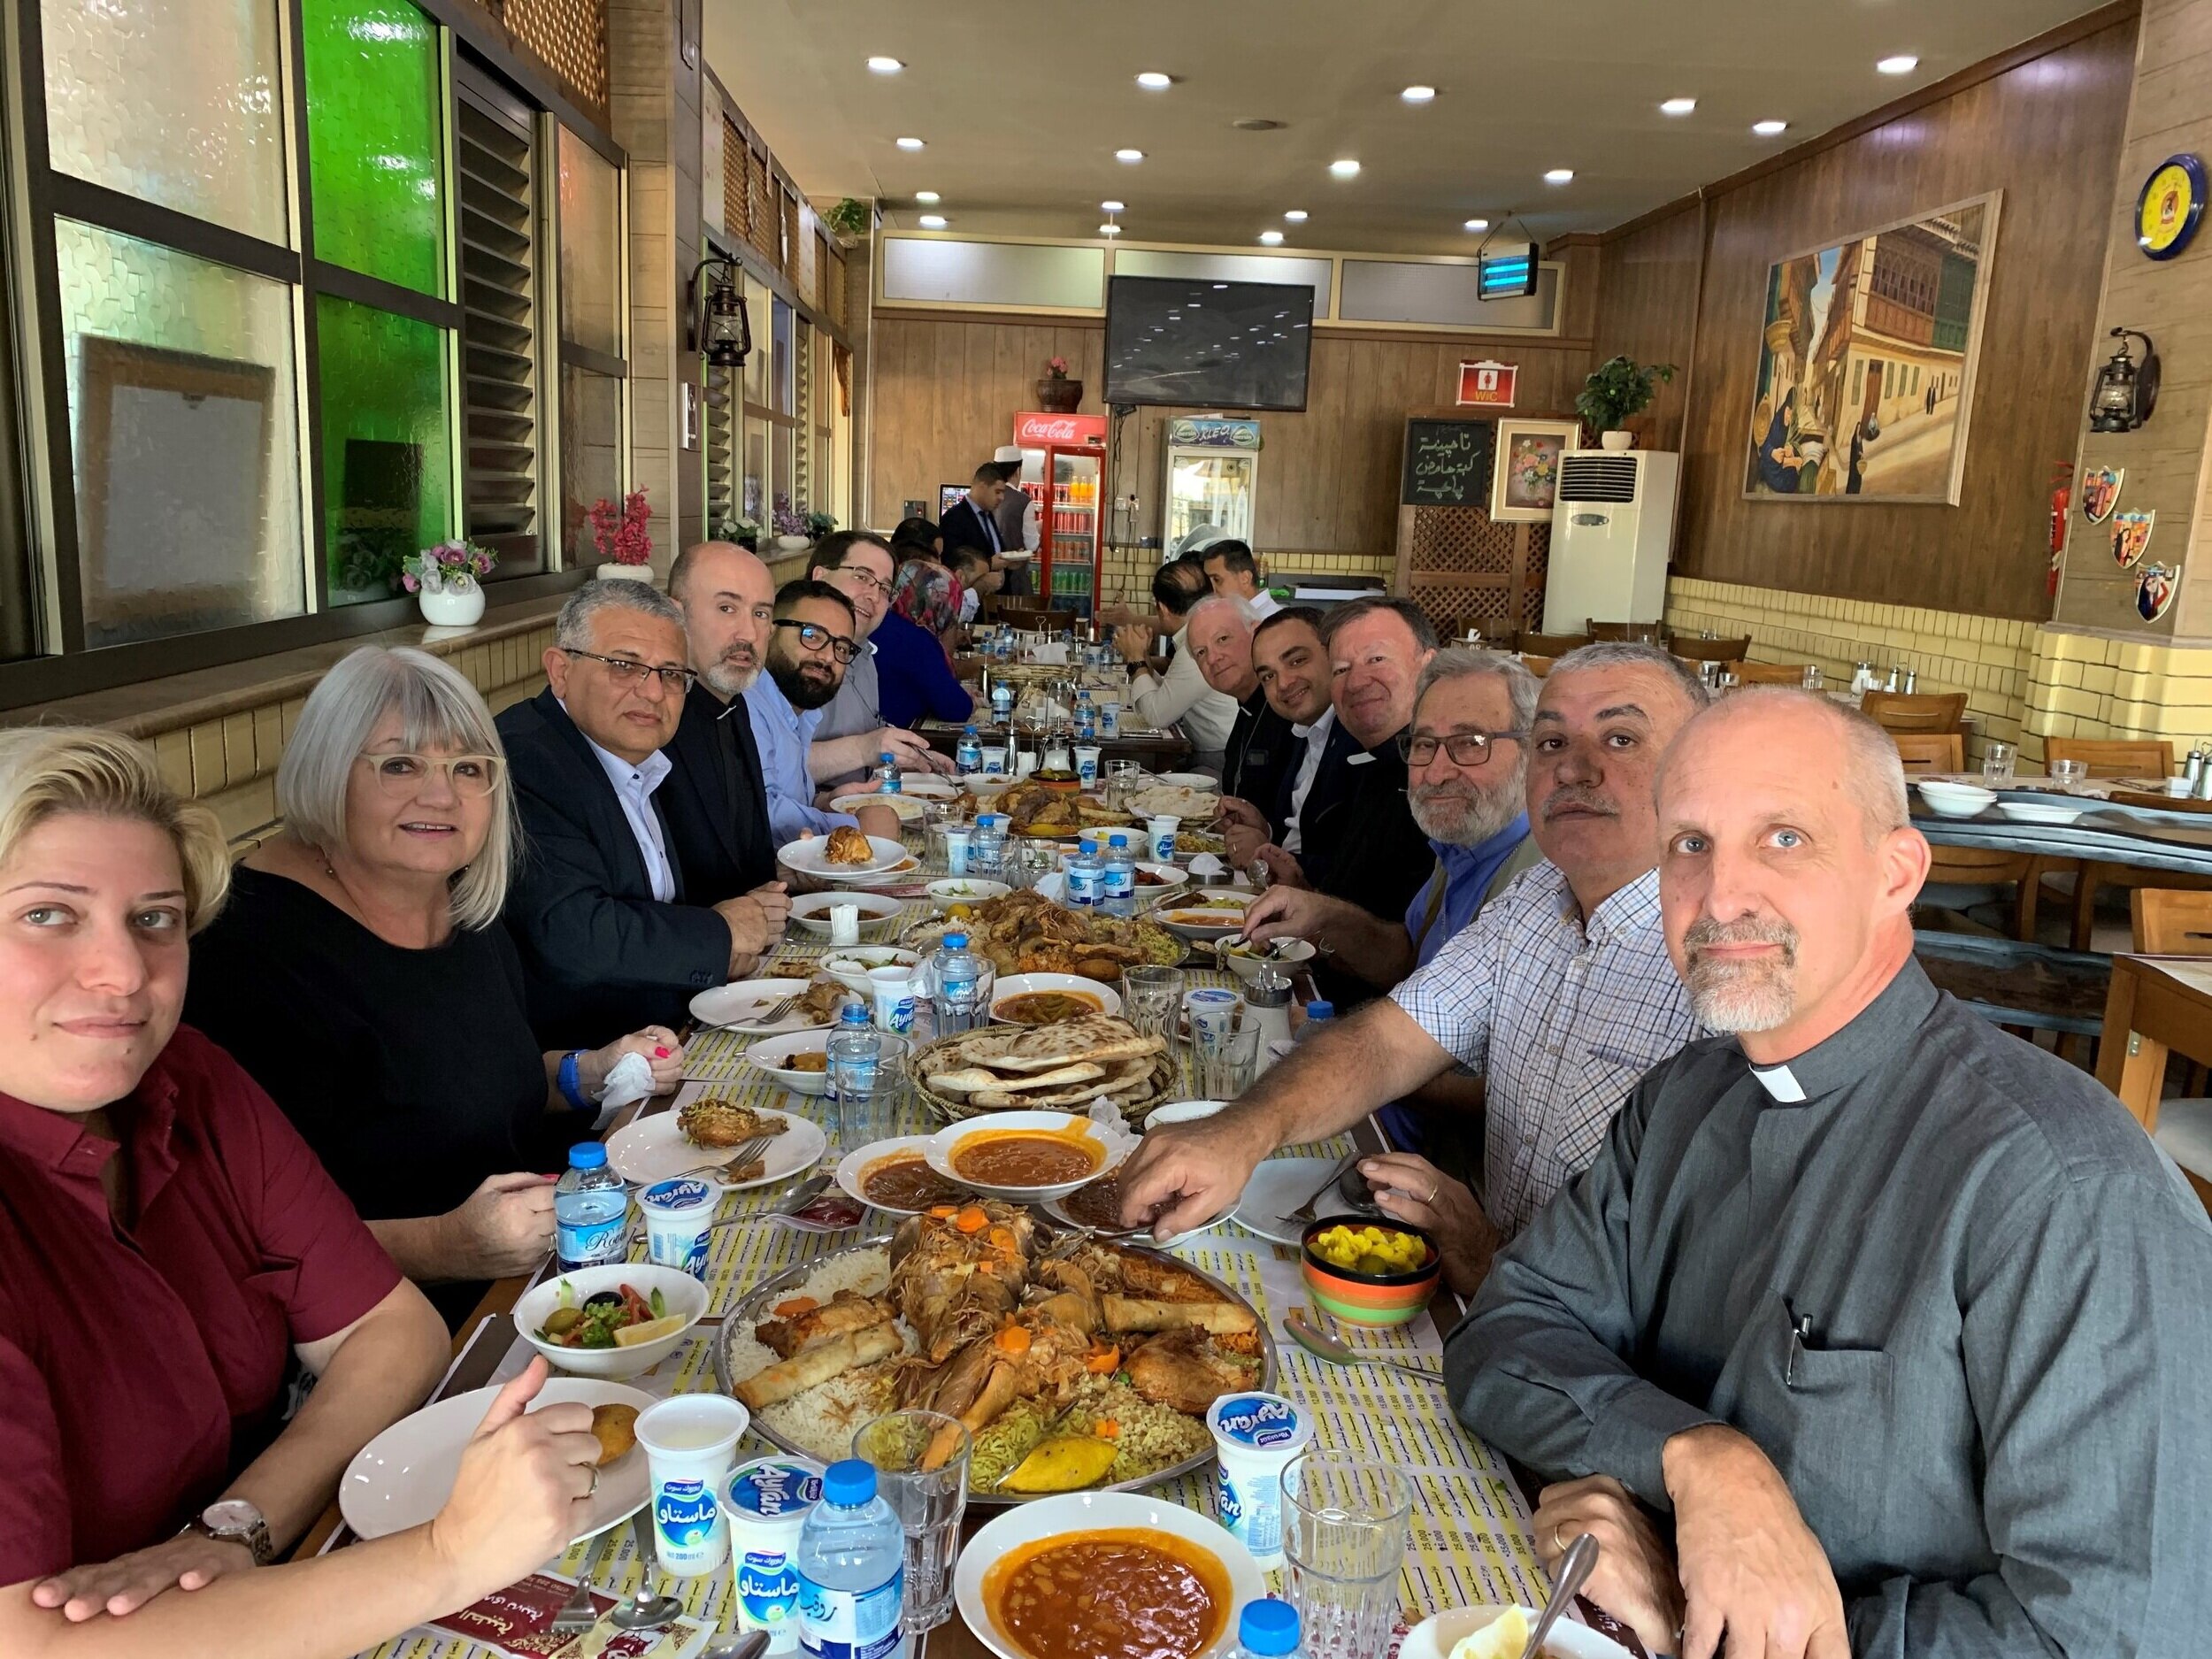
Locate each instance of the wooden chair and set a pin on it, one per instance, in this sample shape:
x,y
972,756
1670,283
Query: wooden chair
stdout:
x,y
2111,757
1642,633
1930,751
1768,674
1552,644
1907,712
1538,666
1691,648
2115,757
2170,922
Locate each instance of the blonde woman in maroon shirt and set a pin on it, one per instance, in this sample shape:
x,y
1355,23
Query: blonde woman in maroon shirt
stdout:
x,y
167,1245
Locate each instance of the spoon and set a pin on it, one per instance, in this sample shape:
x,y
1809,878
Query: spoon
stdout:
x,y
1575,1568
642,1611
1337,1353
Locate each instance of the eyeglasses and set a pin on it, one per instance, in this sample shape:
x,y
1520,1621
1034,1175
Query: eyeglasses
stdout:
x,y
866,579
815,637
475,776
1465,749
627,671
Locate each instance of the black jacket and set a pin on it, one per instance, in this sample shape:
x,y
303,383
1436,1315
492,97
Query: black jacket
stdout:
x,y
963,527
1359,842
600,956
1262,749
714,802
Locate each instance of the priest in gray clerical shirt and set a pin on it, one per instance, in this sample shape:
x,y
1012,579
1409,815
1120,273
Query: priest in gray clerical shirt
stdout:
x,y
1871,1330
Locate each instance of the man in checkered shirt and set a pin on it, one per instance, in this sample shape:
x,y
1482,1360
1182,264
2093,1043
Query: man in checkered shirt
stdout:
x,y
1560,993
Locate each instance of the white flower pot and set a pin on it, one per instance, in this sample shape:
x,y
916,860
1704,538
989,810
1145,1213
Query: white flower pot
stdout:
x,y
793,543
455,607
1616,440
624,573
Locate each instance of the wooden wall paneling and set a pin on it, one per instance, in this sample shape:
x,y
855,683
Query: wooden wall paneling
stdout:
x,y
1647,303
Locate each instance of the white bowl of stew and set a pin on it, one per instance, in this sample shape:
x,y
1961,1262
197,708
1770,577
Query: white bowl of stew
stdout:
x,y
1028,1157
1044,999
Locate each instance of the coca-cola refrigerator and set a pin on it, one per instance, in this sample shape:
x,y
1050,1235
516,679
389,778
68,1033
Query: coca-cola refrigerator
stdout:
x,y
1063,470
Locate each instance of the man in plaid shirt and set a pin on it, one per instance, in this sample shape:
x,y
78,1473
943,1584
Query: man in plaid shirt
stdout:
x,y
1560,993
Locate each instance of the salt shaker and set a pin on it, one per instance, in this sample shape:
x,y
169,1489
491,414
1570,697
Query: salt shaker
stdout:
x,y
1267,1002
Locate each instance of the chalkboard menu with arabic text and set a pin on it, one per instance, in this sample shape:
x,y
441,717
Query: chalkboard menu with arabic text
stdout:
x,y
1449,463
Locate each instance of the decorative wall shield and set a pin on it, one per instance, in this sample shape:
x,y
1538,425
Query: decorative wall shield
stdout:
x,y
2154,591
2100,492
2130,535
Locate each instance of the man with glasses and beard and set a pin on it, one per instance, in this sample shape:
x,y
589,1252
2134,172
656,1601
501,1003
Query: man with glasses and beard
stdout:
x,y
851,735
1901,1317
1560,993
811,646
611,937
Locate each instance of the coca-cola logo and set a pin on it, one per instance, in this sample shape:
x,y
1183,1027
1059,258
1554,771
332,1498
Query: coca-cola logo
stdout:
x,y
1059,429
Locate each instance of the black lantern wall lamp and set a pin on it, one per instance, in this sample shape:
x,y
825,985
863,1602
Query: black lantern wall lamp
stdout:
x,y
720,331
2127,391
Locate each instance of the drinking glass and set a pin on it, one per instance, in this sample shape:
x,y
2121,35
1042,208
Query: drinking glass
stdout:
x,y
1124,778
1150,1000
864,1109
2069,772
1812,677
1346,1526
1997,763
921,1461
1222,1064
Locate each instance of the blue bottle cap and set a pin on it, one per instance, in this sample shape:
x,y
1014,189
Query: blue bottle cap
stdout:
x,y
586,1155
955,942
848,1484
853,1014
1268,1626
1116,840
1089,846
885,758
1319,1010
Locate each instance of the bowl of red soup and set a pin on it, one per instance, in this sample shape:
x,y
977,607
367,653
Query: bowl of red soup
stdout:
x,y
1028,1157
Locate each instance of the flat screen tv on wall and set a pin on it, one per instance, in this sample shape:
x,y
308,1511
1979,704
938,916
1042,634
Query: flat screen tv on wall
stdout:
x,y
1193,341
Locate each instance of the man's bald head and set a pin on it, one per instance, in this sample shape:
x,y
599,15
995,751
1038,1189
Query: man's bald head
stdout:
x,y
1864,755
728,600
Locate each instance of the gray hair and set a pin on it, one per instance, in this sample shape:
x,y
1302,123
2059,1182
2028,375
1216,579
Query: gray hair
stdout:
x,y
437,709
1246,616
1634,654
1465,662
572,629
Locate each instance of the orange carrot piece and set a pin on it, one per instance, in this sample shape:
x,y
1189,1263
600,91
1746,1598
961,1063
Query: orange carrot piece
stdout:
x,y
796,1306
1103,1361
1107,1429
972,1220
1012,1340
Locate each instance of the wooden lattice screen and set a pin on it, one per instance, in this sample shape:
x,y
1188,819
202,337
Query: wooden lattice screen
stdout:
x,y
1468,571
570,36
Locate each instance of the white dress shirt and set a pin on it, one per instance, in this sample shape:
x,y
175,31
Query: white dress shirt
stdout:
x,y
1264,604
1182,694
634,787
1316,736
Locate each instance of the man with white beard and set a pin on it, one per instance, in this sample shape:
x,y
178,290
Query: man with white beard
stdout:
x,y
1901,1317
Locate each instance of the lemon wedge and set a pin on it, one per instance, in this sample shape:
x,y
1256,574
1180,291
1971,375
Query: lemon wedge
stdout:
x,y
1068,1464
651,1331
1503,1638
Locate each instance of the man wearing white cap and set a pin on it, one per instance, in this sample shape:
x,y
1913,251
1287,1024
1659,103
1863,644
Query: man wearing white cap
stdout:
x,y
1020,523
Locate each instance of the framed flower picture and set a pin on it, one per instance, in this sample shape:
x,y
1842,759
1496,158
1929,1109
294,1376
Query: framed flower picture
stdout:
x,y
1526,480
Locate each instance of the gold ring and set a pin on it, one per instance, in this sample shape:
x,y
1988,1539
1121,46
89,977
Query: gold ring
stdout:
x,y
1432,1192
593,1489
1558,1544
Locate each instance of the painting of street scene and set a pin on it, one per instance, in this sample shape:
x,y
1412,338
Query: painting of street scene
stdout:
x,y
1866,365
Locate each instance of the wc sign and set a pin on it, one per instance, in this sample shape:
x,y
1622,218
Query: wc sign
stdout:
x,y
1488,384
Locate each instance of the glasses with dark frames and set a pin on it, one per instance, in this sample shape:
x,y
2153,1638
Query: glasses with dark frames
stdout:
x,y
815,637
1465,749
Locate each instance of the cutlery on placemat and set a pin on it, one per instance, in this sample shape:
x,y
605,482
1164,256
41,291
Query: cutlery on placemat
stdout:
x,y
576,1615
741,1155
804,1193
1305,1211
1335,1352
642,1611
1574,1570
746,1645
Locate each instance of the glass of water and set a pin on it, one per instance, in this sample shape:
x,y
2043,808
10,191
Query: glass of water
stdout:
x,y
1223,1062
1346,1522
1998,760
921,1461
863,1095
1151,998
2069,772
1124,778
1812,677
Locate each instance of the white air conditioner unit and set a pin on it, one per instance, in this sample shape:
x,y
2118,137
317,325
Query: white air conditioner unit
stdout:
x,y
1612,526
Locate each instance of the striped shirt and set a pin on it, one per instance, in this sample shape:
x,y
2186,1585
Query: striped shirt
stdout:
x,y
1561,1020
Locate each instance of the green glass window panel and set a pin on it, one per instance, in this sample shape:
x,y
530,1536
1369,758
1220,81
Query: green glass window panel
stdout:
x,y
591,248
388,456
374,99
591,456
178,101
184,432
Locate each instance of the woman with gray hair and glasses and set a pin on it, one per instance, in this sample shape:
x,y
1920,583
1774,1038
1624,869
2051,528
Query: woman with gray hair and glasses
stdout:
x,y
361,976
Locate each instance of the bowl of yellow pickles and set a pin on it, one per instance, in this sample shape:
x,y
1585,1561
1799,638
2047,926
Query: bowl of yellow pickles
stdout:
x,y
1369,1271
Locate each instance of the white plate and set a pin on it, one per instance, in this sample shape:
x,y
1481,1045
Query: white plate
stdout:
x,y
1075,1512
1199,780
1280,1185
739,1007
1016,984
811,911
1169,876
1435,1638
808,856
2040,813
402,1476
856,1164
930,788
1118,1142
909,808
952,890
1247,968
1206,922
903,870
770,1054
650,1149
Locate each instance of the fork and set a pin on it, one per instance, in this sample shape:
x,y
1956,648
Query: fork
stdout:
x,y
577,1615
741,1155
1305,1211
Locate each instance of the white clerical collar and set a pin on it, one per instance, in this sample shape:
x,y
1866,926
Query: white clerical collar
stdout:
x,y
1781,1083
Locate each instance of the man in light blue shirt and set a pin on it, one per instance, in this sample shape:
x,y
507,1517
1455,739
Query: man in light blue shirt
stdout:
x,y
811,646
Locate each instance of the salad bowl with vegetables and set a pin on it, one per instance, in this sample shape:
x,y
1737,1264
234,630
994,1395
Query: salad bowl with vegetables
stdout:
x,y
611,1322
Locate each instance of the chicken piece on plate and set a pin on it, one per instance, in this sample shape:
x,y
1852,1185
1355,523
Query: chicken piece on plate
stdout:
x,y
803,1327
1180,1371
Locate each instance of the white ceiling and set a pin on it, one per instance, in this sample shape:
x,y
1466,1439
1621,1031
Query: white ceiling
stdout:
x,y
1021,103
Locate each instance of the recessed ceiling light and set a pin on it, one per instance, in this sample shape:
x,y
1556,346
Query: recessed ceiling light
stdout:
x,y
1154,80
1296,215
1903,63
1560,175
1129,155
1478,223
1110,230
1678,106
1419,95
1767,129
927,196
933,221
1345,168
1272,237
909,143
1113,207
886,65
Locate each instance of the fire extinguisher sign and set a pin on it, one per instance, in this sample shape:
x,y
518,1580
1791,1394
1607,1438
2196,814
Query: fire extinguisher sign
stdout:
x,y
1488,384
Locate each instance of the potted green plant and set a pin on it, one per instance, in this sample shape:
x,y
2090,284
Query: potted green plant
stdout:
x,y
820,524
850,219
744,532
1615,390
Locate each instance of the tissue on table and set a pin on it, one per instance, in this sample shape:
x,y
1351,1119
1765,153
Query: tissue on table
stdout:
x,y
630,1078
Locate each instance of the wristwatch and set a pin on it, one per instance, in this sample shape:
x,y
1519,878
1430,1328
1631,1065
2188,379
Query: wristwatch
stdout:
x,y
235,1521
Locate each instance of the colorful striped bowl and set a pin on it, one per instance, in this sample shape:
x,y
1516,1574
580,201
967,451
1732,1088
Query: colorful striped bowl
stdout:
x,y
1370,1299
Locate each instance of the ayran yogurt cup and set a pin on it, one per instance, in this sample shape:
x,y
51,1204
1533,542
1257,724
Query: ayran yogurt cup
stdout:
x,y
676,1217
1255,1435
767,1502
688,1439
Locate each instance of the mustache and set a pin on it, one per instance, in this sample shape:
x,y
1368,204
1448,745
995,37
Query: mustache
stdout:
x,y
742,654
1749,930
1574,797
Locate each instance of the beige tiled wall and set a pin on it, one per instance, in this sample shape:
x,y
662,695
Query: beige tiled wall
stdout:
x,y
2085,685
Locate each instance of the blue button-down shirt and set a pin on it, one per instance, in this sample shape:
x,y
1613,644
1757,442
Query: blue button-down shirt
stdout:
x,y
1467,873
783,735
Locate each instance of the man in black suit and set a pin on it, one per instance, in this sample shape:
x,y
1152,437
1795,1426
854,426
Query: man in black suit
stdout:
x,y
598,906
1220,638
972,521
715,802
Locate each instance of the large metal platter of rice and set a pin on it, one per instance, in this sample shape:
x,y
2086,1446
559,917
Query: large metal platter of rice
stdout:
x,y
1153,1441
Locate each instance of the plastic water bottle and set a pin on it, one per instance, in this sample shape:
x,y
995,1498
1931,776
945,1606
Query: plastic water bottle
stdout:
x,y
852,1569
1118,887
1085,716
887,774
852,1072
1002,703
1266,1629
989,850
1318,1014
955,986
1086,876
591,1210
969,754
